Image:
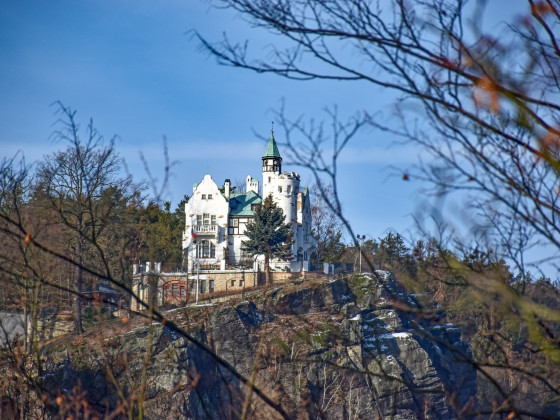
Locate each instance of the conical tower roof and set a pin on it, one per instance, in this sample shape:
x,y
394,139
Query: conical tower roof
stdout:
x,y
272,148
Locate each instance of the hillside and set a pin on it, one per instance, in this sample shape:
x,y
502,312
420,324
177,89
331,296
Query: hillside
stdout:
x,y
341,348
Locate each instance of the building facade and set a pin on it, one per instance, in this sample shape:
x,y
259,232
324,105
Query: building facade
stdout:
x,y
216,219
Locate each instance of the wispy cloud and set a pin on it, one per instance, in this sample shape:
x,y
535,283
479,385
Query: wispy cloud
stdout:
x,y
195,150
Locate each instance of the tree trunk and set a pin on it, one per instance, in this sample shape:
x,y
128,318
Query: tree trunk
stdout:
x,y
268,279
26,316
76,307
35,314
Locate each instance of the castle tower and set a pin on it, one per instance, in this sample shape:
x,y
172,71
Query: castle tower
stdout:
x,y
272,167
282,186
272,161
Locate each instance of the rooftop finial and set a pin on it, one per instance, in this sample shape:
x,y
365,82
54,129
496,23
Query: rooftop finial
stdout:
x,y
272,130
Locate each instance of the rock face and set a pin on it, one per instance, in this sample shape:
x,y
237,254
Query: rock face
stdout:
x,y
357,348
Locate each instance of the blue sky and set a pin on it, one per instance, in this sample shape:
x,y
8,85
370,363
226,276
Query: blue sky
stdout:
x,y
136,69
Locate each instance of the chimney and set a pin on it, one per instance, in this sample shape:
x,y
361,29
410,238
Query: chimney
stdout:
x,y
227,188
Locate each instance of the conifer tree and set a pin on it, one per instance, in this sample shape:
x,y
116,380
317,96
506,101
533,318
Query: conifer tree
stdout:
x,y
268,235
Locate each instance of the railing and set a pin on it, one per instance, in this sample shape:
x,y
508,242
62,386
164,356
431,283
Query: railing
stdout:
x,y
205,229
244,263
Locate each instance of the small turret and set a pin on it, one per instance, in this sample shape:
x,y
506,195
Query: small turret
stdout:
x,y
252,184
272,161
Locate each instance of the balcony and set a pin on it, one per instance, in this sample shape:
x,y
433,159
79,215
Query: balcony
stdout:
x,y
206,230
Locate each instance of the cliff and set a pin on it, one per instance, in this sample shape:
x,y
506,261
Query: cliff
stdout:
x,y
356,348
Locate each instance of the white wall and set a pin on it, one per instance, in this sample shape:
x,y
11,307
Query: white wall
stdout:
x,y
199,204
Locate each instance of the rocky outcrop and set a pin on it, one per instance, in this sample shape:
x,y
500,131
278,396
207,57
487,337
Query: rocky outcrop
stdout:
x,y
356,348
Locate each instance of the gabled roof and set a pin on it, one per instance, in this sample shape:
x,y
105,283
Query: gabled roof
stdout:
x,y
271,149
240,203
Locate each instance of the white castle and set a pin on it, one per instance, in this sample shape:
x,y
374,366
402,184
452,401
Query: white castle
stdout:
x,y
216,219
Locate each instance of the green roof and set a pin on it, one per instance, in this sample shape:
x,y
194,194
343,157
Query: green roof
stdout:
x,y
240,203
272,148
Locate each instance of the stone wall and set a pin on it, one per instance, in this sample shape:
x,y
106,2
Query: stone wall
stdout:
x,y
210,281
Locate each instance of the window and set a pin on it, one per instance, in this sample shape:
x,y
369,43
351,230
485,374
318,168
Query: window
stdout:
x,y
268,164
209,196
167,291
202,286
213,220
198,219
204,196
206,218
175,290
233,227
241,282
206,249
211,286
232,283
289,189
279,189
269,178
182,291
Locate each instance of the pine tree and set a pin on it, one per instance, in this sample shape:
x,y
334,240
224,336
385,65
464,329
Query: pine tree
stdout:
x,y
268,235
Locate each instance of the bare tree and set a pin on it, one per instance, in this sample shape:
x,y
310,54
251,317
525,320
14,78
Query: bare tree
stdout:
x,y
488,119
74,182
62,221
327,227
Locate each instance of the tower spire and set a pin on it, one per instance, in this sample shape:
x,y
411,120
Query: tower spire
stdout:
x,y
272,161
272,148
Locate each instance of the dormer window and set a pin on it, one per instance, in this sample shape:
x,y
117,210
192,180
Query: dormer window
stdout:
x,y
204,196
209,196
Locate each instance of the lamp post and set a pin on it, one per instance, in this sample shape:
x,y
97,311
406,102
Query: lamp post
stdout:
x,y
360,239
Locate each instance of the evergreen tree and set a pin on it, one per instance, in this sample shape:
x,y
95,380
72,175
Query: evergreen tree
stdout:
x,y
391,253
161,233
268,235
